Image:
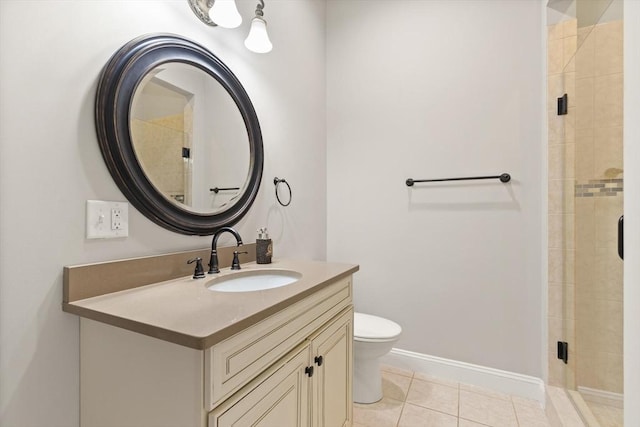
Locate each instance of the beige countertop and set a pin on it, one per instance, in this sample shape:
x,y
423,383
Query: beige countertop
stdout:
x,y
185,312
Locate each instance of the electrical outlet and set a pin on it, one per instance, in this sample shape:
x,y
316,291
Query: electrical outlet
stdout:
x,y
116,218
107,220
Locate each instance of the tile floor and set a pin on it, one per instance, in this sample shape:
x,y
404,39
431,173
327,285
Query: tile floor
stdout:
x,y
607,416
415,400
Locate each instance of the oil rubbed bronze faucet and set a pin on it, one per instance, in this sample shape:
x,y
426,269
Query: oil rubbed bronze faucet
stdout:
x,y
213,262
199,271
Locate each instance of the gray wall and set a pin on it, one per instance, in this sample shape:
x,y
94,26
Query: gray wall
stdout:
x,y
436,89
51,53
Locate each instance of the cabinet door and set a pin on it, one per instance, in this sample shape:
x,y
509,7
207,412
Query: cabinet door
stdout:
x,y
278,398
234,362
332,350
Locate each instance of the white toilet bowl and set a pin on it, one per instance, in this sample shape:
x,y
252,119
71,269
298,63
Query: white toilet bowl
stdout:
x,y
373,337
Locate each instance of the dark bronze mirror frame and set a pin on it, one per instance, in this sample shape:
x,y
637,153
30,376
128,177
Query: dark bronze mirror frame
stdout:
x,y
116,87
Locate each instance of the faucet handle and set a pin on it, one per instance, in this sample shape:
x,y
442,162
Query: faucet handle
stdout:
x,y
199,271
235,264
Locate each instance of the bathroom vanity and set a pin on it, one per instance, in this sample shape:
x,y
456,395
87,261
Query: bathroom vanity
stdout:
x,y
176,353
160,348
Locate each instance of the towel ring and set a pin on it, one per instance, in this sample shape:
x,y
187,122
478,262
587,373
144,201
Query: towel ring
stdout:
x,y
277,181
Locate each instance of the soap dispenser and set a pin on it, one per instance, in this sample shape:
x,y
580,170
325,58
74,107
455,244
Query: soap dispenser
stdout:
x,y
264,247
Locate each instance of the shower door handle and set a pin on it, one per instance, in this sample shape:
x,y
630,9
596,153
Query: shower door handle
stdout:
x,y
621,237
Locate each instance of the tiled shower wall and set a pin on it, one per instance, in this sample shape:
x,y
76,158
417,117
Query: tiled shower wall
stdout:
x,y
585,201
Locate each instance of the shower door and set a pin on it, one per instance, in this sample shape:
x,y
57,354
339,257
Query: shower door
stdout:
x,y
586,145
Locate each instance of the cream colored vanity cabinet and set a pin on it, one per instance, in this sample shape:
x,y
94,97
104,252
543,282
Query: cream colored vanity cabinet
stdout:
x,y
293,368
332,354
311,386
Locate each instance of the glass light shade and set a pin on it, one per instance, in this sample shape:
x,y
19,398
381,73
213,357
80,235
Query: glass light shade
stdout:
x,y
258,40
225,14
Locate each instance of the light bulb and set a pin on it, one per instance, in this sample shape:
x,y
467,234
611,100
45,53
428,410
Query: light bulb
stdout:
x,y
258,40
225,14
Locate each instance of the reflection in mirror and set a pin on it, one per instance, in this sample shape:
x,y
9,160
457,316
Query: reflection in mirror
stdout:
x,y
190,138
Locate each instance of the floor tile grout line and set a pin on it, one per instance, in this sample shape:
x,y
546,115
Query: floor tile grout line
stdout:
x,y
472,421
428,408
431,409
513,406
400,416
404,403
458,403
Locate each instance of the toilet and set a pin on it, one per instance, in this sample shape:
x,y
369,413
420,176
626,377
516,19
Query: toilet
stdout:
x,y
373,337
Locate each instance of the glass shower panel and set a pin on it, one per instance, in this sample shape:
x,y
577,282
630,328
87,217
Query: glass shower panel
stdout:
x,y
598,205
592,145
585,201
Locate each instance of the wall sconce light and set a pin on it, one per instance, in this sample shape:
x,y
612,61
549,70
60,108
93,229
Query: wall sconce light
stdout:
x,y
224,13
258,40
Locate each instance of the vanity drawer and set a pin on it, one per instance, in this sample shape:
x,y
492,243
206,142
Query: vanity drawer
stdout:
x,y
233,362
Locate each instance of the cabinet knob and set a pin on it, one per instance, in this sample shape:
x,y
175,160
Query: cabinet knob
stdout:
x,y
309,371
319,360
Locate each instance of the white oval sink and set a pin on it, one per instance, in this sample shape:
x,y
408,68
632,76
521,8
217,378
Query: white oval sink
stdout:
x,y
253,280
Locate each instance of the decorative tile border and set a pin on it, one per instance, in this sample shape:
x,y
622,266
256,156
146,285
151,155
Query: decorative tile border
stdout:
x,y
599,188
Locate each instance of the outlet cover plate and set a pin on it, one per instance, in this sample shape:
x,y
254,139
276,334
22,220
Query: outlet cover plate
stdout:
x,y
107,220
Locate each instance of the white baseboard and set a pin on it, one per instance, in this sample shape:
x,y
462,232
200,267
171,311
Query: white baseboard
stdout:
x,y
602,397
482,376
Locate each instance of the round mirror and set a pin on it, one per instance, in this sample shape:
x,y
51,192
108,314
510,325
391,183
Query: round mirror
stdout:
x,y
189,137
179,134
